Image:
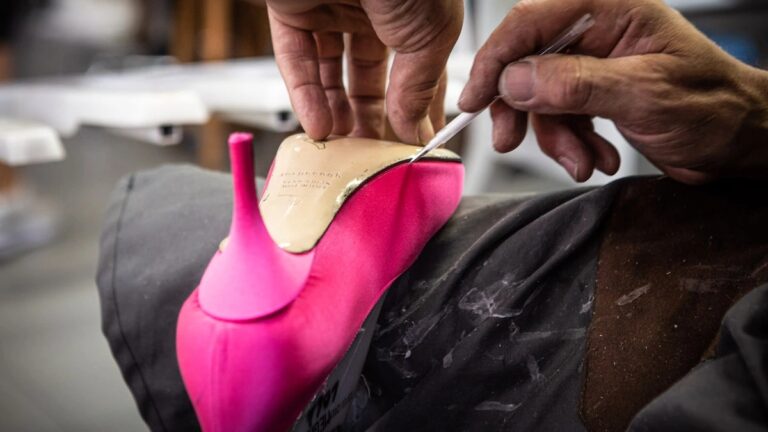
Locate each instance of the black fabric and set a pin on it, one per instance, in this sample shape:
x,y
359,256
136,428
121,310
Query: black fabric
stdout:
x,y
487,330
727,393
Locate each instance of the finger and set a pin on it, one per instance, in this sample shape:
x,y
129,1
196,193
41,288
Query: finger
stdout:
x,y
330,51
437,107
422,33
525,29
529,27
607,158
414,84
296,57
568,84
367,84
558,140
509,126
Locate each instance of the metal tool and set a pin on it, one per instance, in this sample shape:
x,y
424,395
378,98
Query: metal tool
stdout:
x,y
462,120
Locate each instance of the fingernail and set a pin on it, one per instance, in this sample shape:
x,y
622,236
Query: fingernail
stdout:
x,y
570,166
461,97
425,131
517,82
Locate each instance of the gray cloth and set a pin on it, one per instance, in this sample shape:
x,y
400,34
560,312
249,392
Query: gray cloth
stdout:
x,y
728,392
161,229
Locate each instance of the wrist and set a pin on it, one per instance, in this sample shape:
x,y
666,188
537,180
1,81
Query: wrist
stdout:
x,y
757,81
753,134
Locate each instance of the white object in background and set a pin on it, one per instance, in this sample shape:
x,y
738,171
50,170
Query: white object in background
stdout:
x,y
24,142
279,121
92,22
249,91
458,68
107,101
252,92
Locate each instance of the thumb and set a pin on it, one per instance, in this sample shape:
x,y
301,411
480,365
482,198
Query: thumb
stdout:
x,y
569,84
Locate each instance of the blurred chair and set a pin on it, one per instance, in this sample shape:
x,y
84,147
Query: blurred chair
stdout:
x,y
25,142
131,104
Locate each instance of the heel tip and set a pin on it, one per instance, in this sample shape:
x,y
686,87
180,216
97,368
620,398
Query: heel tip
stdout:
x,y
240,137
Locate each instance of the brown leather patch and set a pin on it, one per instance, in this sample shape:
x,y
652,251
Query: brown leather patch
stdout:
x,y
674,258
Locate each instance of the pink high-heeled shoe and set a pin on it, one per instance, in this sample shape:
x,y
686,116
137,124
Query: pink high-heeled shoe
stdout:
x,y
284,298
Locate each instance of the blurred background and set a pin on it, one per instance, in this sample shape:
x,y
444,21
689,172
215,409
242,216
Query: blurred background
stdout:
x,y
91,90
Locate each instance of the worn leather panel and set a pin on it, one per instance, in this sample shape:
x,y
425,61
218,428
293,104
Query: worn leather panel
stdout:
x,y
673,260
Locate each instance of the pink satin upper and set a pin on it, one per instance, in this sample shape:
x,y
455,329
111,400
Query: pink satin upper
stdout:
x,y
275,324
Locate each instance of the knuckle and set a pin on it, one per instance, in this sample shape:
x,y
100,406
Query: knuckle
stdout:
x,y
524,8
413,100
414,25
575,88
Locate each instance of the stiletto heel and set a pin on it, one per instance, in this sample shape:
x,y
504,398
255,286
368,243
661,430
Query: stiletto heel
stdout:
x,y
251,277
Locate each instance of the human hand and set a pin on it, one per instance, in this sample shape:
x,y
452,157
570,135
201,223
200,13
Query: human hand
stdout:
x,y
690,108
310,37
